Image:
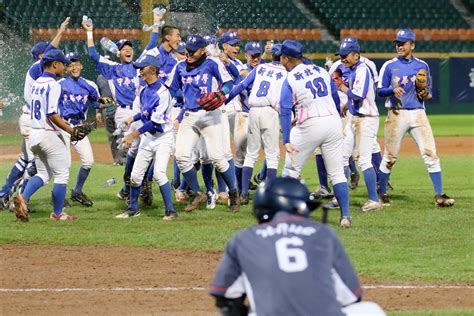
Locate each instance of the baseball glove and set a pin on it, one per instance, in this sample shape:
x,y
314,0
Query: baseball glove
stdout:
x,y
81,131
211,101
421,84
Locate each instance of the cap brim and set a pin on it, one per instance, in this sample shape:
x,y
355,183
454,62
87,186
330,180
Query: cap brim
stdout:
x,y
139,65
126,43
253,52
233,41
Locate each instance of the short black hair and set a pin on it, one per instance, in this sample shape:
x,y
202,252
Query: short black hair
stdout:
x,y
48,64
276,57
166,30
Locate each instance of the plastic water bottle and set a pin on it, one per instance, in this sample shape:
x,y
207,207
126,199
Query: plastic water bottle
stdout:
x,y
109,182
109,45
159,11
87,20
147,27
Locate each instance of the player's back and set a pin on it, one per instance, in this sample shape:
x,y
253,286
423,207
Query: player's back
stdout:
x,y
288,264
45,94
267,84
312,92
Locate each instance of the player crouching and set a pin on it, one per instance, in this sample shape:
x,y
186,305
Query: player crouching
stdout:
x,y
157,140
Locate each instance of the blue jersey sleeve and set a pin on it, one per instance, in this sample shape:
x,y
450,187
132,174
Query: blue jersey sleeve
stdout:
x,y
234,72
176,85
247,82
93,54
286,106
153,41
335,96
384,88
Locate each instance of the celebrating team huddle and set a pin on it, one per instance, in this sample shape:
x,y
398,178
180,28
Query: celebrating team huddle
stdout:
x,y
183,100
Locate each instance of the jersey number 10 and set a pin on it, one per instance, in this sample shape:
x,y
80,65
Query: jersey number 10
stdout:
x,y
318,87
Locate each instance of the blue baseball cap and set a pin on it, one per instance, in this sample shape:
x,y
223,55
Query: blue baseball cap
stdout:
x,y
38,48
307,61
253,48
210,39
181,47
349,39
55,55
292,48
230,38
73,56
121,43
151,59
405,35
195,42
276,50
348,45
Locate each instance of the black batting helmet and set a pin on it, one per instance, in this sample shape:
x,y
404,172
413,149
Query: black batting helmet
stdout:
x,y
282,194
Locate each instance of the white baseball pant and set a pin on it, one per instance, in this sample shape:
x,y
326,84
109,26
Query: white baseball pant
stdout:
x,y
323,131
264,129
241,127
52,156
360,139
416,123
207,125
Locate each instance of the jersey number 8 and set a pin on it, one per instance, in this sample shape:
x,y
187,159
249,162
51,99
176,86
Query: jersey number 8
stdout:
x,y
291,259
36,109
263,89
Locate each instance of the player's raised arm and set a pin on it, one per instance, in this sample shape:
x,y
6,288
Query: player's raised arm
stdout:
x,y
59,34
247,82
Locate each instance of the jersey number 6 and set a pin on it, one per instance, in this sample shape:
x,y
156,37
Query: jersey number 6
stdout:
x,y
291,259
318,87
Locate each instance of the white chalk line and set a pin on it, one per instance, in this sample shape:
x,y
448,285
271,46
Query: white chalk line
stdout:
x,y
177,289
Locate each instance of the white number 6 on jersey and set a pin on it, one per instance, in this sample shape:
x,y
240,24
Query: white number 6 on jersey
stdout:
x,y
291,259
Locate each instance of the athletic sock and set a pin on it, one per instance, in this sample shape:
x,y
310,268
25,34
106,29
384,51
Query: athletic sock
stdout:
x,y
32,186
383,182
238,176
206,170
370,179
341,191
376,161
59,194
221,186
134,194
263,173
81,179
191,179
165,190
437,181
322,173
352,165
271,173
128,172
347,172
15,174
229,176
246,176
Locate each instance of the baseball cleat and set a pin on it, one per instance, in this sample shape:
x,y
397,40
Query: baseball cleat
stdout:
x,y
244,199
223,197
129,212
170,216
252,186
123,195
62,217
345,222
322,193
354,181
234,201
200,198
443,200
21,208
4,202
371,206
384,199
333,204
211,200
81,198
180,196
257,179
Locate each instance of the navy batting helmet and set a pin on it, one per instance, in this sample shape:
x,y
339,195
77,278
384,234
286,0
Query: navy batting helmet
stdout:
x,y
282,194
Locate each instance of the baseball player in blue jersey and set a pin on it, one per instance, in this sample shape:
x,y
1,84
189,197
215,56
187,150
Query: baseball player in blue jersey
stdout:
x,y
76,95
287,264
46,141
265,81
310,91
364,124
157,135
25,163
406,113
202,82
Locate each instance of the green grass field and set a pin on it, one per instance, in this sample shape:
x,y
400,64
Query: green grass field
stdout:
x,y
412,240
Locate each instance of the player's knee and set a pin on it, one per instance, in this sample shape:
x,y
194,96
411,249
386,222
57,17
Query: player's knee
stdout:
x,y
337,178
135,179
272,163
290,173
61,177
365,164
221,164
88,163
44,177
160,177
